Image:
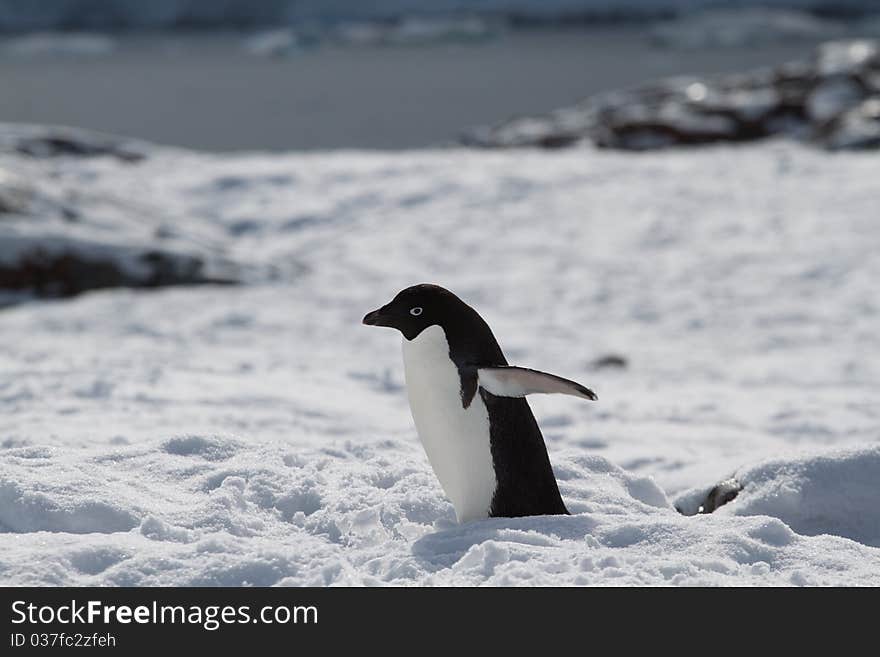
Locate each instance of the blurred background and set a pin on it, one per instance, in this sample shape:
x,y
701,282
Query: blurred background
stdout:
x,y
318,74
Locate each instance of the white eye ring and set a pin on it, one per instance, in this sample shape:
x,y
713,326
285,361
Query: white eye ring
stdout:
x,y
415,311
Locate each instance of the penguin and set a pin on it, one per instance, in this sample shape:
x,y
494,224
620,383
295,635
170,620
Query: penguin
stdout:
x,y
469,407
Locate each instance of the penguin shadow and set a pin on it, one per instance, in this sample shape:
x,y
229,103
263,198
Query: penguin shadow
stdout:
x,y
445,547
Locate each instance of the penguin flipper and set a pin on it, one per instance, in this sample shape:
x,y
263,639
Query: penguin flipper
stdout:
x,y
521,381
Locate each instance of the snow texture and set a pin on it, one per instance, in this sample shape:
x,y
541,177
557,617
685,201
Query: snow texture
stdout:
x,y
259,435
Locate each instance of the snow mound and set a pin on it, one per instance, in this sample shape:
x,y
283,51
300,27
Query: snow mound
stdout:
x,y
38,492
47,141
827,493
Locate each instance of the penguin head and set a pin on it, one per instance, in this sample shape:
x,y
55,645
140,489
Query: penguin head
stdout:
x,y
416,308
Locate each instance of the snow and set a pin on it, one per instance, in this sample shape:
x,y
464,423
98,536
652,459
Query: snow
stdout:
x,y
831,493
259,434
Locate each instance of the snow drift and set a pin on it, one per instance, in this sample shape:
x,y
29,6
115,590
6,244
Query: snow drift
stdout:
x,y
832,492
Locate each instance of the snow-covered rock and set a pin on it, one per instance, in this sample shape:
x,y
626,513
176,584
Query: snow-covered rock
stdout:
x,y
857,127
60,235
831,97
848,57
54,141
828,99
833,492
828,492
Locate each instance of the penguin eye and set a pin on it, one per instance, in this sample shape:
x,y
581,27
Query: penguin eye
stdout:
x,y
415,311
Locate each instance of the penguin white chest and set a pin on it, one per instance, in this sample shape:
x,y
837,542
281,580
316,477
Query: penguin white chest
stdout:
x,y
455,438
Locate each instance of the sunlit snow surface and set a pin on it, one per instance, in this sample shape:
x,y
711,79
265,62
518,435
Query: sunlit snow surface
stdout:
x,y
261,435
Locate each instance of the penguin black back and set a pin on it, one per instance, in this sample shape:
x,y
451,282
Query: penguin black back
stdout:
x,y
526,484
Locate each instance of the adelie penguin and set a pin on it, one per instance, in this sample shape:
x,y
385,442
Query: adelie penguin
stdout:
x,y
469,407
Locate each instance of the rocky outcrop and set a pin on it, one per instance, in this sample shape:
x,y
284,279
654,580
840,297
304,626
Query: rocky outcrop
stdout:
x,y
71,271
832,100
46,142
59,238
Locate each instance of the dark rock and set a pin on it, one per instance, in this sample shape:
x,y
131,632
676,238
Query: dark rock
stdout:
x,y
69,272
56,145
610,361
793,81
48,141
69,214
558,141
718,496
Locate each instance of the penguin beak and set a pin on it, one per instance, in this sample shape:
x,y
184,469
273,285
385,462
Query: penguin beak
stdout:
x,y
377,318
